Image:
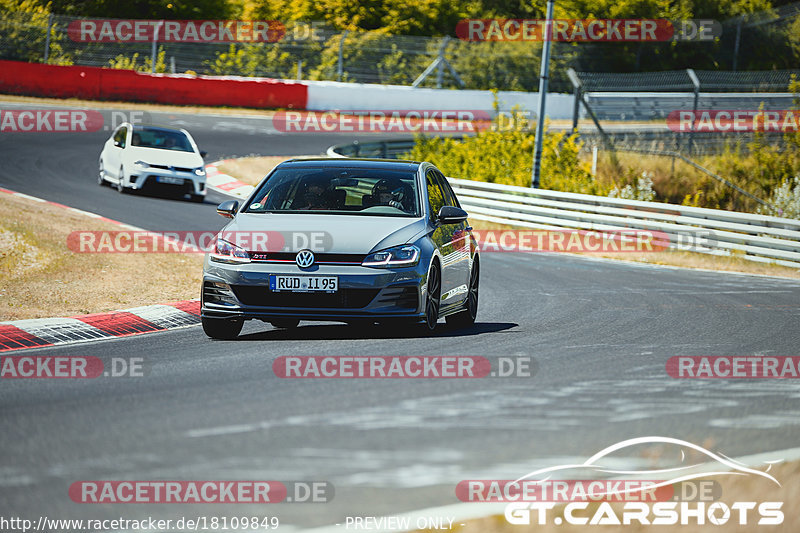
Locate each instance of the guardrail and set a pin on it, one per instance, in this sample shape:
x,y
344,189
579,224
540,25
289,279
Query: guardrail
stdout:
x,y
760,238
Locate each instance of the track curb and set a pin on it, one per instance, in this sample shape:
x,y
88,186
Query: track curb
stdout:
x,y
224,183
42,332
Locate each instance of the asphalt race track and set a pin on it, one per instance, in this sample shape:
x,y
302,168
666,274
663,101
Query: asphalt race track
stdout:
x,y
599,331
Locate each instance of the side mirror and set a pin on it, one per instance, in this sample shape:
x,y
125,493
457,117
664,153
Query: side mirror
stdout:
x,y
228,209
451,215
203,153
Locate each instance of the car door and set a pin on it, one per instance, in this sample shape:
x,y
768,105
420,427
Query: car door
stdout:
x,y
442,236
459,244
112,160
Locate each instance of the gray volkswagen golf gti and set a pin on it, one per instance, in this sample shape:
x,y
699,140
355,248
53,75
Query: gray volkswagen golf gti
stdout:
x,y
349,240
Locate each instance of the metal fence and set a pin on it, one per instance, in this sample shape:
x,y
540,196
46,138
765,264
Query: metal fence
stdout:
x,y
374,57
306,51
761,238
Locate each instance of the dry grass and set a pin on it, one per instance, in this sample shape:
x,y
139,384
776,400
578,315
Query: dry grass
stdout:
x,y
251,170
678,258
41,277
734,488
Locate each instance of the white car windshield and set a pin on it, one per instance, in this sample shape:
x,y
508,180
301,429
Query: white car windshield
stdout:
x,y
161,139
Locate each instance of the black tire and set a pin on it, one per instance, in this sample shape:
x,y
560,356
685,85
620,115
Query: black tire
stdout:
x,y
433,298
197,198
101,180
285,323
120,187
466,318
222,328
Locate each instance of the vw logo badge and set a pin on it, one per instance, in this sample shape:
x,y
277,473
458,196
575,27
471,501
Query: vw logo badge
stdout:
x,y
304,258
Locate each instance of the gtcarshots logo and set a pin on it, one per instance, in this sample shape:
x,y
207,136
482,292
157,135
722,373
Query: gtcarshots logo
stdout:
x,y
176,31
49,120
535,495
588,30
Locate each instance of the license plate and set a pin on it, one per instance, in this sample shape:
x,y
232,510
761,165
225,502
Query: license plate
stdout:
x,y
303,283
171,181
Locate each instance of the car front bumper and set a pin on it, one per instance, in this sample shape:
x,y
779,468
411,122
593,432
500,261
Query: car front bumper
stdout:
x,y
242,291
186,182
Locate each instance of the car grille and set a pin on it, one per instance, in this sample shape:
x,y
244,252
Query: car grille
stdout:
x,y
179,169
260,295
404,297
217,293
152,181
320,259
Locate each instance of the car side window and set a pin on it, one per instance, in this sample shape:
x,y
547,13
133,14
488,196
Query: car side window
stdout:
x,y
436,197
449,196
121,136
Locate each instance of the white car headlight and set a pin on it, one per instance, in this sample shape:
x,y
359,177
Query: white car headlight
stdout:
x,y
225,252
399,256
200,171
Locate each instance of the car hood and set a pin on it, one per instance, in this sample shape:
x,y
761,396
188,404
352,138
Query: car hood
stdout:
x,y
343,234
156,156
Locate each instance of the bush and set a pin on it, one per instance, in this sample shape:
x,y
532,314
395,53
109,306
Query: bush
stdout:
x,y
506,157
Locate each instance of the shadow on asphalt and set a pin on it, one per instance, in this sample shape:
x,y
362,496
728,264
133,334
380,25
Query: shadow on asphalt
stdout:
x,y
345,332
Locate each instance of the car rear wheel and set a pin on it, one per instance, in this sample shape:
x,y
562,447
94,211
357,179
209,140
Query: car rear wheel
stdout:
x,y
433,297
221,328
466,318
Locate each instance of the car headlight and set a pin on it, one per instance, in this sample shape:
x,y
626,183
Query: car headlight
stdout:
x,y
141,164
200,171
407,255
226,252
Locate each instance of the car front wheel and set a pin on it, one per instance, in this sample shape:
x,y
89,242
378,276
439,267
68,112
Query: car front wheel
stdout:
x,y
433,297
120,184
221,328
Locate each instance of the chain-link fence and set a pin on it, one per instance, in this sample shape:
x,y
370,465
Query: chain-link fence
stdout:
x,y
307,51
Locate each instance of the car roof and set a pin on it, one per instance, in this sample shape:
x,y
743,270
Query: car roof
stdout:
x,y
157,127
343,162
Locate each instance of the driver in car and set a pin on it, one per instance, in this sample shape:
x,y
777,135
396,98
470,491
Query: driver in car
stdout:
x,y
314,197
391,193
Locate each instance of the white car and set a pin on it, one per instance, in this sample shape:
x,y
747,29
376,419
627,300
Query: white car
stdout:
x,y
141,157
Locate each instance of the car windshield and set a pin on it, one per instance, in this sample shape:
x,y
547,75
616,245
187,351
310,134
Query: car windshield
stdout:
x,y
352,191
161,139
